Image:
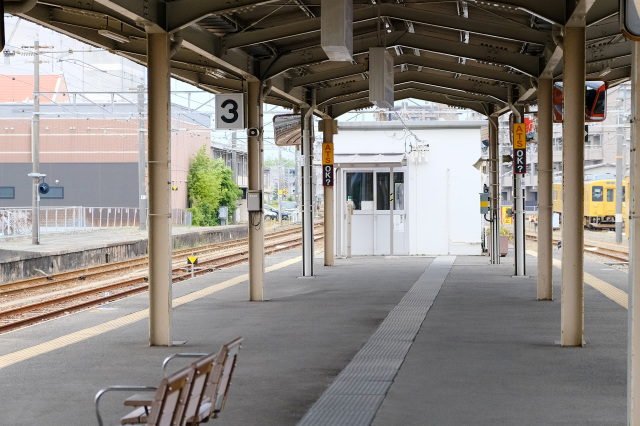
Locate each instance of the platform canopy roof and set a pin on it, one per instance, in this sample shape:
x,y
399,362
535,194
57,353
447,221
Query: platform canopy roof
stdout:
x,y
470,54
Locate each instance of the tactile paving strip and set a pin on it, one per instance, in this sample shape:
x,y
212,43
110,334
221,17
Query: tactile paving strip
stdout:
x,y
356,394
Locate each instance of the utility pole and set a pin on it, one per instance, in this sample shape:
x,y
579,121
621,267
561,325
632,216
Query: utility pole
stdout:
x,y
142,186
35,147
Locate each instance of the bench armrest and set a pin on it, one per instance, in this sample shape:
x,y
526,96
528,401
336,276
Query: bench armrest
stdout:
x,y
179,355
117,388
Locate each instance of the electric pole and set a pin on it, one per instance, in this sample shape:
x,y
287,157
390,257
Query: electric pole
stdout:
x,y
142,184
35,147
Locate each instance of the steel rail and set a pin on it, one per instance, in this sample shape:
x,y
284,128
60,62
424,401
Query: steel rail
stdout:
x,y
277,245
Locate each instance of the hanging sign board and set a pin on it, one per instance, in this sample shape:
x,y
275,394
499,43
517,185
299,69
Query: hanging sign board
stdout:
x,y
230,111
327,164
327,175
519,149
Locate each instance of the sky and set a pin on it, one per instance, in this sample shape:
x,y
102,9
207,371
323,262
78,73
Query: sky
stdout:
x,y
90,69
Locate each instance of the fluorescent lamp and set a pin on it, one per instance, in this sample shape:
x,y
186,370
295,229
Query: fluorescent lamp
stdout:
x,y
604,71
114,36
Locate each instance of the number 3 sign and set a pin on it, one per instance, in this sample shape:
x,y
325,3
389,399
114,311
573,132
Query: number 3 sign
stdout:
x,y
230,111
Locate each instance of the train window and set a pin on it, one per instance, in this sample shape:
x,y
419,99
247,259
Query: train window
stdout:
x,y
7,192
56,192
360,189
597,193
382,191
555,195
610,195
624,193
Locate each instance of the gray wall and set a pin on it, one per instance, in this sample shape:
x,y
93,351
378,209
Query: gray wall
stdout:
x,y
85,184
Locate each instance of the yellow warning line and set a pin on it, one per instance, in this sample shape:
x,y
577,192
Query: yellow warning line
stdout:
x,y
610,291
78,336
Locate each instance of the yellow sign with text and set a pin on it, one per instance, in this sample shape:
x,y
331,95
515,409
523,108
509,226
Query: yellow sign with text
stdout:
x,y
506,219
327,153
519,136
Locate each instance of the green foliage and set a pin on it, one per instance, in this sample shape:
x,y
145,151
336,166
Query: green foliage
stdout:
x,y
210,185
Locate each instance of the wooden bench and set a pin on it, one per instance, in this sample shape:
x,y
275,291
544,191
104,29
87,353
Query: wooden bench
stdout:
x,y
201,398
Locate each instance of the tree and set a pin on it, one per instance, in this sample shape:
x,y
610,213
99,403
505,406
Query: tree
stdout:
x,y
210,185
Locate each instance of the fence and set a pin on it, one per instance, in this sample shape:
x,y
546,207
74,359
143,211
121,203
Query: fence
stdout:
x,y
18,221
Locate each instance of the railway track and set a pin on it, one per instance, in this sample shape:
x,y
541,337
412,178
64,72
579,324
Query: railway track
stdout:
x,y
618,254
31,301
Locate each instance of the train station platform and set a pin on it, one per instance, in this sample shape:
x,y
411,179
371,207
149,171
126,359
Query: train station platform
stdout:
x,y
447,340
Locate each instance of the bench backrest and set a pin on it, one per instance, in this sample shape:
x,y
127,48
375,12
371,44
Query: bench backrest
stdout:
x,y
227,363
203,370
212,377
169,400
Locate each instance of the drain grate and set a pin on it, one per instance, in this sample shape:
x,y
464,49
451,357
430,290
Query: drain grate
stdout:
x,y
356,394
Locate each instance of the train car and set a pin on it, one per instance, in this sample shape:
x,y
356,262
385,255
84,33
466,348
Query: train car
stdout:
x,y
599,201
556,196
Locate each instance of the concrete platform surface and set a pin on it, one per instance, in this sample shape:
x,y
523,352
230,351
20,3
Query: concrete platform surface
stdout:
x,y
340,345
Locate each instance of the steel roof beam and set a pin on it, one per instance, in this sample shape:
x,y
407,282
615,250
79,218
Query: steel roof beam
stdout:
x,y
360,89
420,61
552,11
409,93
338,109
206,44
148,14
470,70
182,13
385,10
470,87
526,64
319,77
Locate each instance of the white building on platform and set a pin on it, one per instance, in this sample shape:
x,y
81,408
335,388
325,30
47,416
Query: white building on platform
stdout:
x,y
436,208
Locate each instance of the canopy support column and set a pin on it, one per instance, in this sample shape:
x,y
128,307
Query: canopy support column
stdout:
x,y
307,188
545,188
160,278
256,219
494,193
572,299
633,356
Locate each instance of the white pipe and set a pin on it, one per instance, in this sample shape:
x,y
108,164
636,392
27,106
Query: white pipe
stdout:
x,y
307,191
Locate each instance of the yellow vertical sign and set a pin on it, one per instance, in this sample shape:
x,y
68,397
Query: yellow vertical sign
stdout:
x,y
505,218
519,136
327,153
519,148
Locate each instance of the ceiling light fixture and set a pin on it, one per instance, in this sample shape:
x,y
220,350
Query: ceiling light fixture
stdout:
x,y
604,71
114,36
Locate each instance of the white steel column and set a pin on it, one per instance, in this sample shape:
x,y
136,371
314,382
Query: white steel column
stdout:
x,y
572,299
307,190
494,191
519,210
35,147
392,197
329,215
633,356
256,219
545,188
159,190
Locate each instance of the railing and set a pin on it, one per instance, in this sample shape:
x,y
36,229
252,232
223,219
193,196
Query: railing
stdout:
x,y
18,222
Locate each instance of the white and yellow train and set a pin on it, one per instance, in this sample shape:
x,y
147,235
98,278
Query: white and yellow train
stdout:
x,y
599,201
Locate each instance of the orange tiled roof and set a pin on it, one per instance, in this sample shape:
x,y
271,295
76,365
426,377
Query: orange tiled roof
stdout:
x,y
19,88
